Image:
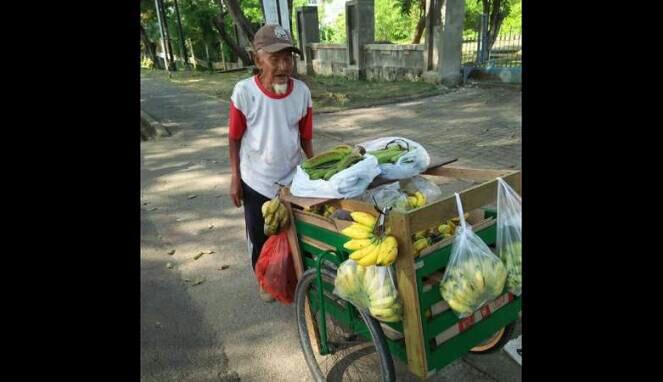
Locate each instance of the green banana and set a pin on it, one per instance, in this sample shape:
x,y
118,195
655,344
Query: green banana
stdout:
x,y
336,154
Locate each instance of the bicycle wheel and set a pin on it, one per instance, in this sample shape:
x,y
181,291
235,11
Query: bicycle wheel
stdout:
x,y
353,356
496,341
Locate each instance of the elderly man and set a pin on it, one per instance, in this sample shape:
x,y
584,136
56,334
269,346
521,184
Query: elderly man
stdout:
x,y
271,122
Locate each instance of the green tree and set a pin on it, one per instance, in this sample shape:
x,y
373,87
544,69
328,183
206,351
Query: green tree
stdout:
x,y
390,25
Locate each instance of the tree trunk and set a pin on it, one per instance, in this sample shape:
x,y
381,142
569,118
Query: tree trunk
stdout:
x,y
185,55
220,26
150,48
495,18
419,31
238,17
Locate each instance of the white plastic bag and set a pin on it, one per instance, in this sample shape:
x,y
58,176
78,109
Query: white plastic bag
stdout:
x,y
349,183
509,234
409,164
474,274
369,289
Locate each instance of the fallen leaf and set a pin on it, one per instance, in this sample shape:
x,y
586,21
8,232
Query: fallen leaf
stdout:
x,y
223,267
153,209
208,252
192,196
198,255
187,280
198,282
171,252
211,226
169,265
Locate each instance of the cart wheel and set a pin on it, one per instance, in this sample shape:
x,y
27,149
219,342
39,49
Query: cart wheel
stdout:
x,y
352,356
496,341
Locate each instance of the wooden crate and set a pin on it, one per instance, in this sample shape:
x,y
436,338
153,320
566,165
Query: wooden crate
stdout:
x,y
430,335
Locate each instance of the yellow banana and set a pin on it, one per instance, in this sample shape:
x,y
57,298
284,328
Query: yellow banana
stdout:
x,y
356,232
381,311
273,205
370,257
421,198
356,244
390,251
364,218
384,302
360,253
421,244
264,208
459,307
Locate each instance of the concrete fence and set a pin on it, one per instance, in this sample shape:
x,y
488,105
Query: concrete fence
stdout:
x,y
383,61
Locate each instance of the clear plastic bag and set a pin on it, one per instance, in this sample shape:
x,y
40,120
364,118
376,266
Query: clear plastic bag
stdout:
x,y
431,191
369,289
474,274
349,183
385,196
509,234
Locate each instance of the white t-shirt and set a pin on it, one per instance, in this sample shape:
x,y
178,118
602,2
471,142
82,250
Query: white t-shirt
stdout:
x,y
270,127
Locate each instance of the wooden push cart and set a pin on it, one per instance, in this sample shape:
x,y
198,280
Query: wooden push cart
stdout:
x,y
338,340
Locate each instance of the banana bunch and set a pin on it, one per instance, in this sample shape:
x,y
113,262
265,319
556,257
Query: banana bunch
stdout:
x,y
388,154
449,228
369,288
368,248
511,255
275,215
416,200
382,295
327,164
472,282
325,210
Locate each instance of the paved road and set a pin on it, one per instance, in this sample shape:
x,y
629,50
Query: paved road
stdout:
x,y
201,322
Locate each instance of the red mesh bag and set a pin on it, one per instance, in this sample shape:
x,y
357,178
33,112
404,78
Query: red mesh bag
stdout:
x,y
275,270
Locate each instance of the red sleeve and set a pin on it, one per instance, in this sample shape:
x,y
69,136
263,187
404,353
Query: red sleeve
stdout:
x,y
236,122
306,125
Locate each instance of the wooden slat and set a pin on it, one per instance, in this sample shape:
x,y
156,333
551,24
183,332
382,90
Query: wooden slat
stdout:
x,y
472,198
320,221
407,290
317,244
468,173
286,196
296,254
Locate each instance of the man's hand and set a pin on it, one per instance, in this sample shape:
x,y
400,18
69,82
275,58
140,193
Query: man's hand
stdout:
x,y
236,191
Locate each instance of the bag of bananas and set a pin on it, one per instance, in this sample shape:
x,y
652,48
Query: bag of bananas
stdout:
x,y
509,234
474,274
276,216
367,246
369,288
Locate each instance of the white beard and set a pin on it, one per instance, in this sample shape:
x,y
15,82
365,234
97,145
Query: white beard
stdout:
x,y
280,89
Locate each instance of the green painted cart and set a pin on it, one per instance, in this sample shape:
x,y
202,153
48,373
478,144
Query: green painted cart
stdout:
x,y
340,342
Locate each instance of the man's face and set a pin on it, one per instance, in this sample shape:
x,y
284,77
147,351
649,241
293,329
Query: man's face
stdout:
x,y
276,67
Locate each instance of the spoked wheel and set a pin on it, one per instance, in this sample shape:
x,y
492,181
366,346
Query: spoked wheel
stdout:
x,y
496,341
353,356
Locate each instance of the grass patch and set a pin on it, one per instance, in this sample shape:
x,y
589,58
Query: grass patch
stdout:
x,y
328,93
